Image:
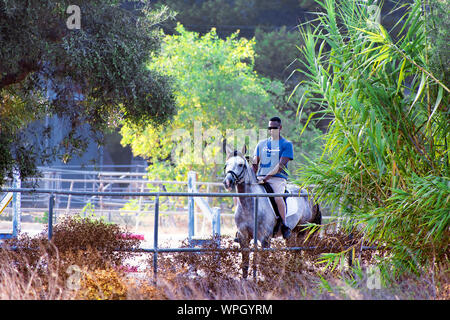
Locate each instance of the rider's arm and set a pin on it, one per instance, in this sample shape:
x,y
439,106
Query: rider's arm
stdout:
x,y
255,163
280,166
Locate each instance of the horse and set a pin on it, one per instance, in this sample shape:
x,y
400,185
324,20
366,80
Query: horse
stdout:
x,y
240,175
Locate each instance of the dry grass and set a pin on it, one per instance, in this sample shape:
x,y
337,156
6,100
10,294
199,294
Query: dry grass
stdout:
x,y
81,263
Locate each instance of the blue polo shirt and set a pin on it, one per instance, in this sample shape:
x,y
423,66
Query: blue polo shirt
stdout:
x,y
270,152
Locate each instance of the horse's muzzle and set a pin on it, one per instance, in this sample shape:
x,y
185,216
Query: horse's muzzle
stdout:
x,y
229,182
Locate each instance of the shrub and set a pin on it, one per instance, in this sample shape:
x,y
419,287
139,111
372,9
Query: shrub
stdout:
x,y
90,244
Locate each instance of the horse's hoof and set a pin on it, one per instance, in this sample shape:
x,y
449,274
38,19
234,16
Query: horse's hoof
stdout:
x,y
286,232
245,272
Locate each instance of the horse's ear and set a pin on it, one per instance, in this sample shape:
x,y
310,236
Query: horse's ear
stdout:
x,y
244,149
226,149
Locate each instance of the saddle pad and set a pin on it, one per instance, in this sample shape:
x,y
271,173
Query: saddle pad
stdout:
x,y
272,199
294,208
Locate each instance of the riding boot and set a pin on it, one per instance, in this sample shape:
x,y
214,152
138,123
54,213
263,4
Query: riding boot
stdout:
x,y
277,227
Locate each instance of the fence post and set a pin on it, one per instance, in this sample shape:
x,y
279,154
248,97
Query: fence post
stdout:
x,y
216,224
191,208
155,239
16,204
51,201
351,252
255,234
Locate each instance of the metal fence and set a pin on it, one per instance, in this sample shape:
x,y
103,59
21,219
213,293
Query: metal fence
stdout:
x,y
131,211
157,195
74,179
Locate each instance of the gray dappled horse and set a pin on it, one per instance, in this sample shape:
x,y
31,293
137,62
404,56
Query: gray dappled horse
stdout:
x,y
299,210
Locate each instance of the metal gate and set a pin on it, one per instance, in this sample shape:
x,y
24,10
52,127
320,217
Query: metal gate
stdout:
x,y
155,249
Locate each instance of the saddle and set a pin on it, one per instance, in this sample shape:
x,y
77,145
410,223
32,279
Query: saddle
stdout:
x,y
275,207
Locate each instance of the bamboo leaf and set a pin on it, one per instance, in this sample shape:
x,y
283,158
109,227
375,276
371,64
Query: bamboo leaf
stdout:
x,y
419,92
401,75
374,37
369,50
306,124
438,101
383,166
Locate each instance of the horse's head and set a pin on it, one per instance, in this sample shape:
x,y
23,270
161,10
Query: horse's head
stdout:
x,y
235,169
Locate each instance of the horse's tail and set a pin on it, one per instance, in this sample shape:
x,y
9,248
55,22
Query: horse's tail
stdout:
x,y
317,215
316,219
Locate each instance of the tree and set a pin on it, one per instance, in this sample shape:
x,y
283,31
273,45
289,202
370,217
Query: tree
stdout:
x,y
229,15
216,90
276,52
96,74
385,162
274,24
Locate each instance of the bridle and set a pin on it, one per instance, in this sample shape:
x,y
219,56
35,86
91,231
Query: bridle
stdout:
x,y
238,178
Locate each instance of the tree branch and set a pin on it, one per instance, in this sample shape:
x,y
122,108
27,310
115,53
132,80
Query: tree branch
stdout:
x,y
26,67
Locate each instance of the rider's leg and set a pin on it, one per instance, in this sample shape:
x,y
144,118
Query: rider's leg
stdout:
x,y
279,186
285,230
281,208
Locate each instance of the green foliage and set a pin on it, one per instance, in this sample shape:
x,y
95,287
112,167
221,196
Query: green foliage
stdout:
x,y
222,12
97,74
216,90
385,162
43,219
88,210
231,14
276,52
437,26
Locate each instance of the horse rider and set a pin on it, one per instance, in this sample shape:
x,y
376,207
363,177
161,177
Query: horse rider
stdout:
x,y
270,161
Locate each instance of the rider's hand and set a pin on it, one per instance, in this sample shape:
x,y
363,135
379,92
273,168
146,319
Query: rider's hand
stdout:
x,y
262,180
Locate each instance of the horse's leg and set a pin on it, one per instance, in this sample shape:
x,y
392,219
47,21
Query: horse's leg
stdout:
x,y
266,242
244,244
245,261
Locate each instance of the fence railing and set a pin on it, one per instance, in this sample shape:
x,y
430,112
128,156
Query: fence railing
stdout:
x,y
132,210
156,249
90,180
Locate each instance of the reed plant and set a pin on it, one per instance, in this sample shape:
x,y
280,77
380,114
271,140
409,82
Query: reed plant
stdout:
x,y
385,161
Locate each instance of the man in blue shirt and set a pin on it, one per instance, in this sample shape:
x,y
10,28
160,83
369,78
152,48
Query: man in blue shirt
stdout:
x,y
270,163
